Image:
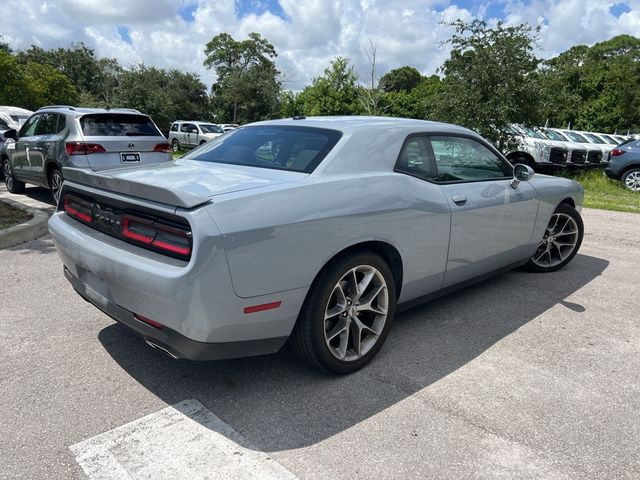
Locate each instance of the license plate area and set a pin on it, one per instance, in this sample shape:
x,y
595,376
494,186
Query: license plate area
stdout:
x,y
129,157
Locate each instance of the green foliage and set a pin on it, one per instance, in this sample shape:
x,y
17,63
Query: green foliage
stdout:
x,y
490,79
403,79
334,93
595,88
247,87
420,102
32,85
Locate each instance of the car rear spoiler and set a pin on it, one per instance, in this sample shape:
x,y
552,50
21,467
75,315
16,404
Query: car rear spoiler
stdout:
x,y
132,188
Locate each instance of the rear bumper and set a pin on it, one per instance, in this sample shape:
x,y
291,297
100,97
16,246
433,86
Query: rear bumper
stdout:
x,y
170,341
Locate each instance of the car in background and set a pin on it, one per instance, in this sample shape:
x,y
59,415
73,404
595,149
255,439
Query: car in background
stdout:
x,y
11,117
624,164
592,155
227,127
579,138
537,151
308,230
190,134
92,139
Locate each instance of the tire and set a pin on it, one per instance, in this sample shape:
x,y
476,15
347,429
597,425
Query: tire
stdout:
x,y
561,240
13,185
175,146
55,183
311,338
203,142
525,161
631,180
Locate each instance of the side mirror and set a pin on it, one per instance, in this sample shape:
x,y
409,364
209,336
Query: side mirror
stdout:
x,y
11,133
521,173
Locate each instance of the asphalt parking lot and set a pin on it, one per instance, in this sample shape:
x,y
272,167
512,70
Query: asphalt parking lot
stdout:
x,y
521,376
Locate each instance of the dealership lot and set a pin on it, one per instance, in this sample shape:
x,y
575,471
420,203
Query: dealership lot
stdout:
x,y
522,376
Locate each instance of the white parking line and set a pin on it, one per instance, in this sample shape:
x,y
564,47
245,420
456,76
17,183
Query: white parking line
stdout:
x,y
184,441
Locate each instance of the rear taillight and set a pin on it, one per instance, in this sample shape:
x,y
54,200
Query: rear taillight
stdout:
x,y
148,321
82,148
170,240
77,208
162,148
616,152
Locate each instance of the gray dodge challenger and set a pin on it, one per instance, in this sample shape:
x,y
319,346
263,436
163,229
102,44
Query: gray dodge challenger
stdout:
x,y
312,230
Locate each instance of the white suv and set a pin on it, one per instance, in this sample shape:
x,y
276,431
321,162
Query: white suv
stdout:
x,y
190,134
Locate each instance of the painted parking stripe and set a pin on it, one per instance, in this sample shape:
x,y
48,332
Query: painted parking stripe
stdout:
x,y
184,441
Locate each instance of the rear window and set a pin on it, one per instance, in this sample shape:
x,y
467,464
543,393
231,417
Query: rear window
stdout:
x,y
118,125
297,149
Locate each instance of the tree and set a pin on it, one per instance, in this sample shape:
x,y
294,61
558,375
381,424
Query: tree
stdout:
x,y
490,79
247,85
334,93
403,79
4,46
419,102
371,94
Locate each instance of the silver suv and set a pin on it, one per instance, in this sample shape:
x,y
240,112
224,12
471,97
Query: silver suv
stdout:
x,y
92,138
190,134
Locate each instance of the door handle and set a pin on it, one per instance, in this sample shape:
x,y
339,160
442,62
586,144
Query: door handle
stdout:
x,y
459,199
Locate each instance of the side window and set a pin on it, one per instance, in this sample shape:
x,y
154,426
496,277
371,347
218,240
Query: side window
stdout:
x,y
29,127
459,158
174,127
62,123
48,124
185,128
3,125
416,158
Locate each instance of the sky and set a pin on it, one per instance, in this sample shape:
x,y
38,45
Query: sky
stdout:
x,y
307,34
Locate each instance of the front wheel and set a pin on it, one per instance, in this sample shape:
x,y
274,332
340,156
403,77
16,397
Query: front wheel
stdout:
x,y
561,240
631,180
347,314
13,185
175,146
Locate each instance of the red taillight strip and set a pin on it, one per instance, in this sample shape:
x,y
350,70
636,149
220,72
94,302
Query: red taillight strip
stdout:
x,y
162,147
262,307
152,240
148,321
82,148
70,203
616,152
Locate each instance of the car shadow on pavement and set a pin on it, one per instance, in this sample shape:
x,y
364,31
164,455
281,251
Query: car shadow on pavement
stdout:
x,y
278,403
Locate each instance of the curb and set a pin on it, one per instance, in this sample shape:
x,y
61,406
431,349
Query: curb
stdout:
x,y
24,232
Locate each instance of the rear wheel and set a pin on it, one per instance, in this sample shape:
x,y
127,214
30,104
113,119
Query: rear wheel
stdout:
x,y
203,142
13,185
631,180
175,145
561,240
347,314
55,183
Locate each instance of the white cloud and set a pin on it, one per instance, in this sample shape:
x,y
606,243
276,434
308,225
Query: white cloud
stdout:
x,y
406,32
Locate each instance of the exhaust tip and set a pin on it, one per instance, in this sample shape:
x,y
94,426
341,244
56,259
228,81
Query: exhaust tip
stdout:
x,y
150,343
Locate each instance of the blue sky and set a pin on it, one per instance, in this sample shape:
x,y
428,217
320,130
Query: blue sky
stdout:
x,y
307,34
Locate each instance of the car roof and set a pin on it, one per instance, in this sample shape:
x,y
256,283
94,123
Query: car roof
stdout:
x,y
15,110
87,110
353,123
196,122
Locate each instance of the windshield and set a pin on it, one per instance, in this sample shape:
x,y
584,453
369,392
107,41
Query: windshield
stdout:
x,y
555,136
118,125
297,149
576,137
609,139
593,138
211,129
532,133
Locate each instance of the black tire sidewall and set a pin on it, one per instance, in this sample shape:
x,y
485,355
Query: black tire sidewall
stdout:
x,y
51,173
320,296
18,186
175,145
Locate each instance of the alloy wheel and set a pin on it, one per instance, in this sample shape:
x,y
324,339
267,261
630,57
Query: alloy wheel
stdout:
x,y
559,241
356,313
56,184
8,176
632,181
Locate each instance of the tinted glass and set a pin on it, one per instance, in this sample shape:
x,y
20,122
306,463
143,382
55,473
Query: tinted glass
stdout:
x,y
416,158
459,158
48,124
555,136
298,149
211,129
576,137
29,128
609,139
593,138
187,127
174,127
117,125
532,133
3,125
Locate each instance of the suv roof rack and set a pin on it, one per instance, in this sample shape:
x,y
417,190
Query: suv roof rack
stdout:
x,y
56,106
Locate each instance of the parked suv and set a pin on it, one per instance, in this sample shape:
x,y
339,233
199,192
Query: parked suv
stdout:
x,y
91,138
624,164
11,117
190,134
537,151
